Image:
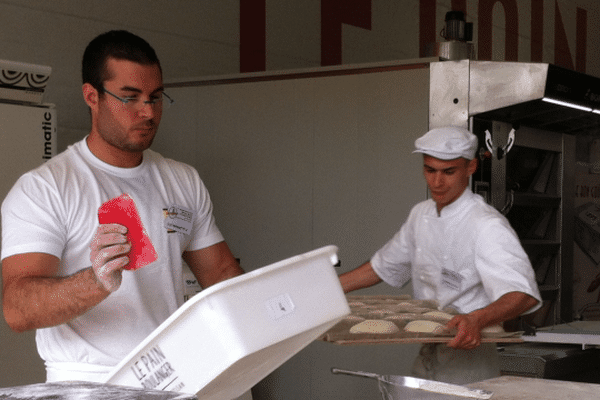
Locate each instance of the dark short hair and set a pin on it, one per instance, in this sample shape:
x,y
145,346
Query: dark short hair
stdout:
x,y
118,44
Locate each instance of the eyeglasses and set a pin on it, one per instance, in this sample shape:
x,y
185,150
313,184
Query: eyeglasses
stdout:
x,y
135,103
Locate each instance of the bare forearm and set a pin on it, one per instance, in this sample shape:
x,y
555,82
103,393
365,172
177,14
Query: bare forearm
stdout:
x,y
40,302
507,307
469,326
361,277
231,268
213,264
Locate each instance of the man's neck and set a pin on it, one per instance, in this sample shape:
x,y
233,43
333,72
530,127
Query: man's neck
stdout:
x,y
441,207
112,155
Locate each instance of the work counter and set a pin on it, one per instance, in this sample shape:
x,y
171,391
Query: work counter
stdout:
x,y
520,388
86,391
504,388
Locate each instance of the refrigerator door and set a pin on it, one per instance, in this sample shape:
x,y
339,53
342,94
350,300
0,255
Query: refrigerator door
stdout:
x,y
27,139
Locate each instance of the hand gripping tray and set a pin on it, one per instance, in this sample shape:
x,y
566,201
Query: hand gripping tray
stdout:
x,y
231,335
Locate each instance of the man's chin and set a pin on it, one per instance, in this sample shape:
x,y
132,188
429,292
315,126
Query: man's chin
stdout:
x,y
143,143
437,197
139,146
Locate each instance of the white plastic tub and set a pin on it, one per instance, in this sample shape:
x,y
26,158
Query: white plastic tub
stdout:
x,y
228,337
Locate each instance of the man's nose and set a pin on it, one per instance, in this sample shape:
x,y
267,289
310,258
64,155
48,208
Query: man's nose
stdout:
x,y
438,179
146,110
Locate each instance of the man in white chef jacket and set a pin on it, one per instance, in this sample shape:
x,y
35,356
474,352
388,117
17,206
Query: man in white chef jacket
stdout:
x,y
64,272
460,251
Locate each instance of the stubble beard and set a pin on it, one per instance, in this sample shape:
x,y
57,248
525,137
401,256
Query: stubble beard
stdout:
x,y
135,142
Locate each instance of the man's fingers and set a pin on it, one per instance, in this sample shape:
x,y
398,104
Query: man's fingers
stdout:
x,y
107,239
111,228
109,249
108,253
106,236
112,266
108,265
110,273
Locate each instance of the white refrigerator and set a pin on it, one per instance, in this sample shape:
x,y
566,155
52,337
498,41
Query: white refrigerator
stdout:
x,y
27,139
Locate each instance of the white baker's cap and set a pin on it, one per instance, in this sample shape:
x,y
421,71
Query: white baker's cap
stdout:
x,y
447,143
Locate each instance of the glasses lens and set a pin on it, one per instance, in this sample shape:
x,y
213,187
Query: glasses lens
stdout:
x,y
136,103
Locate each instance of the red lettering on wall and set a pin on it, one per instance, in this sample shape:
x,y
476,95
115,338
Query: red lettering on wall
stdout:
x,y
537,30
334,13
562,52
581,40
253,42
484,32
427,25
460,5
428,30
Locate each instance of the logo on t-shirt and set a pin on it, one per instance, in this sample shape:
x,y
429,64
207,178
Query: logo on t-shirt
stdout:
x,y
178,219
166,215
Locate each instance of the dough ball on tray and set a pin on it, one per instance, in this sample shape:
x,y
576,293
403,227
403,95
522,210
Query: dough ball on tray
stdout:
x,y
439,315
353,319
493,330
412,309
377,326
402,317
380,312
426,326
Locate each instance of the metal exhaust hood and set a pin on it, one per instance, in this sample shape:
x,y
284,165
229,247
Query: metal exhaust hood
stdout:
x,y
537,95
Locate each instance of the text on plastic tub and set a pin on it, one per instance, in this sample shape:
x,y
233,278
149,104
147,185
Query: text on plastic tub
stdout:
x,y
152,369
280,306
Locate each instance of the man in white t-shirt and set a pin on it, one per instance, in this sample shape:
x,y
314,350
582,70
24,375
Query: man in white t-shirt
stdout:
x,y
63,272
460,251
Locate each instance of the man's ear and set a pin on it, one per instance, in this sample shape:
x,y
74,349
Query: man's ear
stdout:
x,y
472,166
90,95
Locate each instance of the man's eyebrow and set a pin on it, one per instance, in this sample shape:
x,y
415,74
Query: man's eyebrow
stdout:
x,y
442,169
130,89
137,90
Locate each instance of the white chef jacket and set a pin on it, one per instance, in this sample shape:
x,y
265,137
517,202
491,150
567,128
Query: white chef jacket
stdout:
x,y
466,257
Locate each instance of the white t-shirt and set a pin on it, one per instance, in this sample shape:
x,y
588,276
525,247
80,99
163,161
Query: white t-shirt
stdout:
x,y
466,258
53,209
